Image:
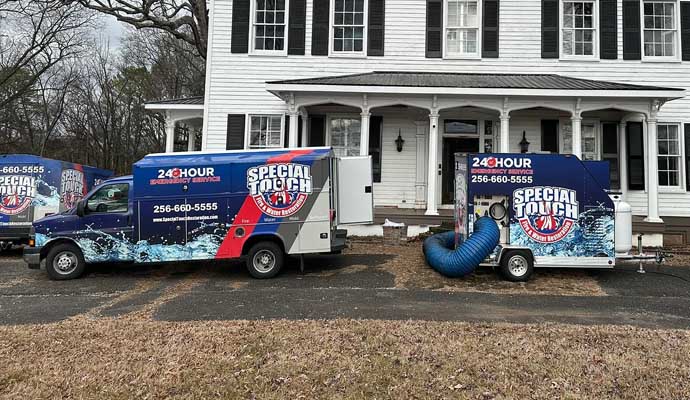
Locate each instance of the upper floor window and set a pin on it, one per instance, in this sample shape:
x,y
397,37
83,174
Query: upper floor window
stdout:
x,y
579,29
265,131
269,26
668,139
660,33
349,26
462,28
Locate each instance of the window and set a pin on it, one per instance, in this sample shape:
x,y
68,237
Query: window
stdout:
x,y
668,138
549,136
265,131
269,25
462,28
109,199
660,27
345,136
635,145
578,23
459,126
348,26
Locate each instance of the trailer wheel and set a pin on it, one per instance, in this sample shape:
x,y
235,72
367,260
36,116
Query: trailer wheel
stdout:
x,y
65,261
264,260
517,266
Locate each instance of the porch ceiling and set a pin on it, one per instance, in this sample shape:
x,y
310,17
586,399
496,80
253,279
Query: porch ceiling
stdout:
x,y
543,85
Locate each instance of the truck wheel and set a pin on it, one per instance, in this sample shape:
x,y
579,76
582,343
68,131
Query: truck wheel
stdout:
x,y
264,260
65,261
517,266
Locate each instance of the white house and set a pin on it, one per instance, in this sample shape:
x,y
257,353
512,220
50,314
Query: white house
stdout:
x,y
601,79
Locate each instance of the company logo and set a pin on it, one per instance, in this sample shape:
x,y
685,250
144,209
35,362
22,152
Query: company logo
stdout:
x,y
546,214
502,162
279,190
16,193
72,187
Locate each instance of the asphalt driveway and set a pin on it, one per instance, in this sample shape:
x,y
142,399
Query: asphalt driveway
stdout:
x,y
346,286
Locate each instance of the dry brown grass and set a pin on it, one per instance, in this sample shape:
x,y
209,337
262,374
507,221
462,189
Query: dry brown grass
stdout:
x,y
129,358
411,271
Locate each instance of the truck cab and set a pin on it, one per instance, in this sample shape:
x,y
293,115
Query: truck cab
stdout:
x,y
100,224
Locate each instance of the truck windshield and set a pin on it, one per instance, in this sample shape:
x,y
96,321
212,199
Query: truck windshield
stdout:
x,y
109,199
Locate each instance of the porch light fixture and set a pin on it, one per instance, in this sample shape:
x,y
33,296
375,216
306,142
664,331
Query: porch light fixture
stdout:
x,y
399,142
524,144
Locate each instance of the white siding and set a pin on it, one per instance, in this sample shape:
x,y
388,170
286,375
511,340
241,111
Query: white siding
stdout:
x,y
237,81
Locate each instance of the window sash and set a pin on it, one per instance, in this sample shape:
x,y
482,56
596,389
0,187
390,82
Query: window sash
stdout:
x,y
579,28
269,25
669,155
345,135
348,26
660,28
265,131
462,27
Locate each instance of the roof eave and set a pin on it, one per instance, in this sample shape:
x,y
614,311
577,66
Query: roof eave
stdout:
x,y
165,107
668,94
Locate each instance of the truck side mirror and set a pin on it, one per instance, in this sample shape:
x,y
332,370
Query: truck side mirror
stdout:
x,y
81,205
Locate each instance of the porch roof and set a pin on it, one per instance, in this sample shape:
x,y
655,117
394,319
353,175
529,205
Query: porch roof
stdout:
x,y
472,84
182,103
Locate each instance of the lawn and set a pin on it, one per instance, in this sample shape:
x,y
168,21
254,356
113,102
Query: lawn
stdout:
x,y
132,358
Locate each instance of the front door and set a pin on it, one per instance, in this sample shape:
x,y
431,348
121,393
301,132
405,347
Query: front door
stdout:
x,y
450,147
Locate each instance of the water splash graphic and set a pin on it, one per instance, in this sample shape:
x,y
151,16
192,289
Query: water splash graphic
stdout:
x,y
591,236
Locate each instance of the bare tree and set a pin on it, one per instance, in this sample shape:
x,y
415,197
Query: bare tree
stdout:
x,y
186,20
37,36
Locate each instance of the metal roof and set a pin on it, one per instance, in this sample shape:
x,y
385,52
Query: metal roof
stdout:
x,y
469,80
194,100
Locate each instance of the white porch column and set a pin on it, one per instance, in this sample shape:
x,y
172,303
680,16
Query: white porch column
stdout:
x,y
169,133
432,164
652,169
294,128
505,132
305,129
191,140
364,133
623,157
576,120
420,177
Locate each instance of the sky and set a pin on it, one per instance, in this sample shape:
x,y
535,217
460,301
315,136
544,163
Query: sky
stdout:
x,y
112,31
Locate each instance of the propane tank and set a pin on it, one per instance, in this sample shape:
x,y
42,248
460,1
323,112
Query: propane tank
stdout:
x,y
623,221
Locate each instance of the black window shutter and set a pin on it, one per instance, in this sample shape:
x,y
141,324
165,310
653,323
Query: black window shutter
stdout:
x,y
235,138
297,27
549,135
377,29
317,131
375,149
685,31
320,28
286,131
240,26
490,29
549,28
434,26
635,145
608,24
632,47
686,129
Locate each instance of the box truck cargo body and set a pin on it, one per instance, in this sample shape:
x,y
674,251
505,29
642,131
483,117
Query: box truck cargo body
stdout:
x,y
258,204
32,187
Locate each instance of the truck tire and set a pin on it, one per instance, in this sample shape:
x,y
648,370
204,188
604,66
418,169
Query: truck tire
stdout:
x,y
517,265
264,260
65,261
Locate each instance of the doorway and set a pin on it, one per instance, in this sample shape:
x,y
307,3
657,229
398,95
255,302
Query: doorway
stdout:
x,y
452,145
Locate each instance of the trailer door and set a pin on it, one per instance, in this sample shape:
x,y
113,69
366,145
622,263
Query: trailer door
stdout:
x,y
354,194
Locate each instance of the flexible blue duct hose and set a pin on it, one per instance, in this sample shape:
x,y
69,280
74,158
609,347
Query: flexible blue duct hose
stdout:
x,y
439,252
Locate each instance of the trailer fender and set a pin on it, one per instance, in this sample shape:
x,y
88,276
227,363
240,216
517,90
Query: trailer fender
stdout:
x,y
263,237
